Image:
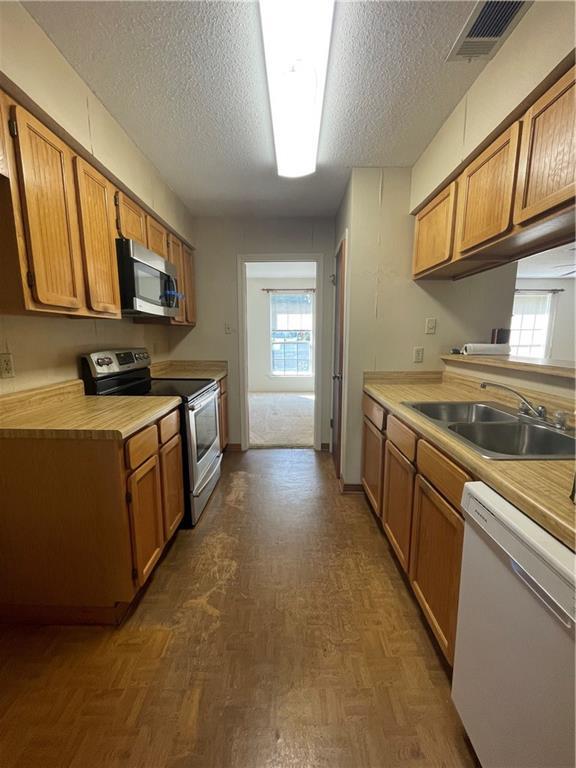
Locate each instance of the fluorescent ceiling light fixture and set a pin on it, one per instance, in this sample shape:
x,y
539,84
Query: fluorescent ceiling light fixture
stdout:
x,y
296,46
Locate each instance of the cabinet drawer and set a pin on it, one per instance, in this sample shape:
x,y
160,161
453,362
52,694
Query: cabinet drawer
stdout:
x,y
224,384
169,426
402,437
374,412
444,475
141,446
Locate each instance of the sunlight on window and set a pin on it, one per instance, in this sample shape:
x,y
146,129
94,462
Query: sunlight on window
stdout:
x,y
531,321
292,333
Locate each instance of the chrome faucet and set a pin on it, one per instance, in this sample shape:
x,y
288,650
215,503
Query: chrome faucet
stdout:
x,y
526,406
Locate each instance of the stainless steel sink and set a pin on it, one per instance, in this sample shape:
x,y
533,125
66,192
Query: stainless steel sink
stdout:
x,y
463,412
519,440
498,432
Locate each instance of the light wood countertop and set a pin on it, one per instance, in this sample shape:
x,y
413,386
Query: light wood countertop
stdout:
x,y
539,488
190,369
85,417
565,369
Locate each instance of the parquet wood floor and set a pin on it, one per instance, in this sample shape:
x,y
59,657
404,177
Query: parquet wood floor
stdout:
x,y
278,634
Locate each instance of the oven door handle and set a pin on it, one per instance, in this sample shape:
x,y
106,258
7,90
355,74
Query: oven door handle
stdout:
x,y
197,404
198,491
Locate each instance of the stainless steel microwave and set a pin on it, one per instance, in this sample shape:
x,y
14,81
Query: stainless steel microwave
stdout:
x,y
148,283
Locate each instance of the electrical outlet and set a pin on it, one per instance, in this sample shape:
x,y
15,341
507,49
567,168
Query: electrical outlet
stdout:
x,y
418,355
430,325
6,365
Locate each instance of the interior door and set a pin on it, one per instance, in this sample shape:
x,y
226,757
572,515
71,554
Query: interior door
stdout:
x,y
338,368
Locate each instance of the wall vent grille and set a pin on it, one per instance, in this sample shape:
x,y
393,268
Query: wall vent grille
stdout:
x,y
488,26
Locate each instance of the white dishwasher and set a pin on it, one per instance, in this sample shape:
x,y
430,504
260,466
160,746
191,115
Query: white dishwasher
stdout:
x,y
514,671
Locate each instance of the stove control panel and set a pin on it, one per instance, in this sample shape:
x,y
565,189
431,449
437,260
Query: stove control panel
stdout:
x,y
105,363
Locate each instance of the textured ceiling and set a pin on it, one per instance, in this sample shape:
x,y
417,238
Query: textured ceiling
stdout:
x,y
555,263
187,82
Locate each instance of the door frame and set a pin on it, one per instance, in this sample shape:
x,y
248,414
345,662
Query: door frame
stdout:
x,y
319,373
343,243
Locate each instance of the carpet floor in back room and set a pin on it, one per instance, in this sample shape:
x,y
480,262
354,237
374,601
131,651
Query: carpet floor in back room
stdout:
x,y
277,634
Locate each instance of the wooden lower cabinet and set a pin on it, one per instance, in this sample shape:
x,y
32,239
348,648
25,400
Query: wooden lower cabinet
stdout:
x,y
373,464
84,521
146,520
397,501
172,487
435,561
223,415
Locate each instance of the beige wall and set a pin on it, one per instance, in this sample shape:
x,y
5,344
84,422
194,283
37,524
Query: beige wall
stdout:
x,y
260,378
563,330
45,348
541,40
387,309
219,242
32,61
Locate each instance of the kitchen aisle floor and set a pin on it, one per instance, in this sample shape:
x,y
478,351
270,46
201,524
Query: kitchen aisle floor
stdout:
x,y
278,634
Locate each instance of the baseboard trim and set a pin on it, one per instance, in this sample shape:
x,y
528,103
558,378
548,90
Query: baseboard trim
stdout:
x,y
350,487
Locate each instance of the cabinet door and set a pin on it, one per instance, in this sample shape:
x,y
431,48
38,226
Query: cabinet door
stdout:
x,y
131,219
397,502
372,464
98,238
436,557
175,257
157,237
145,505
172,485
189,284
223,419
434,232
486,192
547,168
3,152
50,215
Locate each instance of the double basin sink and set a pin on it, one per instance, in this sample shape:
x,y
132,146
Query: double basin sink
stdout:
x,y
496,432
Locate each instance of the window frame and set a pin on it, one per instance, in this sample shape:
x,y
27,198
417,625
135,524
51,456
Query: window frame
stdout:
x,y
311,371
552,296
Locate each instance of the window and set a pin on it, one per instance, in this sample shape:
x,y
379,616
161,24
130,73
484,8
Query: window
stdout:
x,y
292,333
531,324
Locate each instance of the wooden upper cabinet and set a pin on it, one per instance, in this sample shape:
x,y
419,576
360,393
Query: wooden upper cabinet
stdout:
x,y
547,167
486,192
175,256
397,502
50,215
157,237
372,464
98,238
146,518
131,219
435,561
189,284
434,233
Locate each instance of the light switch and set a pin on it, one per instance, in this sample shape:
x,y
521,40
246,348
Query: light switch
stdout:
x,y
430,325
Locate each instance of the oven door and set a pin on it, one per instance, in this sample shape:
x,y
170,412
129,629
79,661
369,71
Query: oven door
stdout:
x,y
204,437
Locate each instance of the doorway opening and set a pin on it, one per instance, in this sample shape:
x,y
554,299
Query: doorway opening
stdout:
x,y
281,342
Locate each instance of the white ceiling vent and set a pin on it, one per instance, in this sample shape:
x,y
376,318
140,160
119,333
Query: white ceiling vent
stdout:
x,y
489,25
